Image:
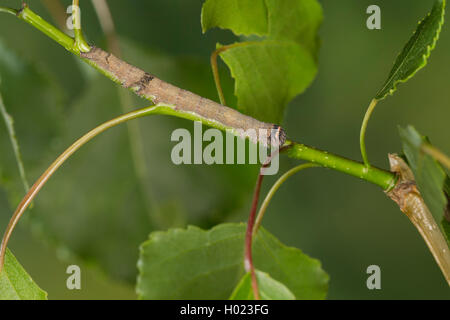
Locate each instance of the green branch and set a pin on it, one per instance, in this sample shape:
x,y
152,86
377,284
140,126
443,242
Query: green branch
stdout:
x,y
134,132
275,188
8,10
49,30
382,178
215,69
80,43
38,185
436,154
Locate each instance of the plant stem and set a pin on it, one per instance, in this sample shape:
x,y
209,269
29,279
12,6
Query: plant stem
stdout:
x,y
362,136
421,217
136,146
382,178
37,186
215,69
134,131
411,203
275,188
80,43
9,122
107,23
49,30
8,10
248,259
436,153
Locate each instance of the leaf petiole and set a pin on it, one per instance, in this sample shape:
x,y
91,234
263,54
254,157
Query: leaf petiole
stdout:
x,y
37,186
248,258
436,154
362,135
80,43
275,188
8,10
215,69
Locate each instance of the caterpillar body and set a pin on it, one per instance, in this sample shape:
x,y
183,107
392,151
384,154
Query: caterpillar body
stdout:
x,y
160,92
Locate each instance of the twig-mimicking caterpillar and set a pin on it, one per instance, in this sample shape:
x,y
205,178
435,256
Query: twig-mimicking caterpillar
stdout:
x,y
161,92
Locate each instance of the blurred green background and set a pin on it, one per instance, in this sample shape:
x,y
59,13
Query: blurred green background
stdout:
x,y
94,207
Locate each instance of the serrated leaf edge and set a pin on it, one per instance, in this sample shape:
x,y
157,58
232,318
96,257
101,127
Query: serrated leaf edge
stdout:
x,y
424,59
206,28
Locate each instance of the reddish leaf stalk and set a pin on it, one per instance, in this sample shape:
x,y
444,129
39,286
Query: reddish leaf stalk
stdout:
x,y
249,267
248,259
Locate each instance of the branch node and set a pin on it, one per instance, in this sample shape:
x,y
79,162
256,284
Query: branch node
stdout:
x,y
23,7
411,203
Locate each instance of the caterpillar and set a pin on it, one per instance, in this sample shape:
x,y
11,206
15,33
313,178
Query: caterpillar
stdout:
x,y
158,91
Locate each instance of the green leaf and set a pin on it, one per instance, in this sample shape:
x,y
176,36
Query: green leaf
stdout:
x,y
297,21
16,284
196,264
261,87
429,175
269,72
269,289
416,52
243,17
